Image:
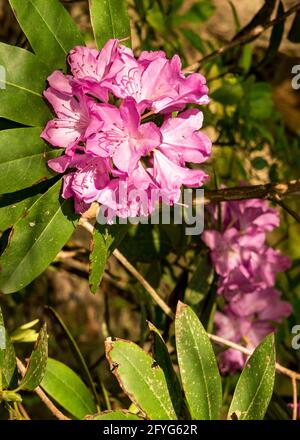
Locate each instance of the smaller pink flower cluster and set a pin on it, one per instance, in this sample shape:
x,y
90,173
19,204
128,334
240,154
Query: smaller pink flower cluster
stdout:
x,y
99,123
247,269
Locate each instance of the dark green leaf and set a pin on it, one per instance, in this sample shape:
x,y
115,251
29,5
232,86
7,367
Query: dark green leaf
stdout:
x,y
67,389
36,239
255,386
162,357
7,355
228,94
37,363
15,205
22,87
49,29
259,163
23,159
141,378
109,20
294,33
198,366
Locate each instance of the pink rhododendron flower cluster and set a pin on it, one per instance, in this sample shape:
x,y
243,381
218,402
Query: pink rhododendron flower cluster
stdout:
x,y
109,150
247,269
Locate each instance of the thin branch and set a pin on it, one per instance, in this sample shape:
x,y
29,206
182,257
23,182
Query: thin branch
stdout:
x,y
289,210
243,39
295,400
286,371
159,301
55,411
270,191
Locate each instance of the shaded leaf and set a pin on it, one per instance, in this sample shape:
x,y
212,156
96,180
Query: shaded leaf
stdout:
x,y
141,379
49,29
254,389
15,205
198,366
36,239
294,33
37,362
67,389
7,355
162,357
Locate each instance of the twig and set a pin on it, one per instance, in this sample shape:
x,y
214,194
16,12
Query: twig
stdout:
x,y
55,411
281,369
244,39
23,411
295,400
289,210
159,301
286,371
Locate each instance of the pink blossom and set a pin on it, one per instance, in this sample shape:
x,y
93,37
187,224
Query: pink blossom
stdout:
x,y
108,146
76,118
157,83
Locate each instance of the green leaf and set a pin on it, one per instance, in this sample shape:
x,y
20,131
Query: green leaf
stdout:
x,y
67,389
75,350
294,33
194,39
259,163
15,205
49,29
162,357
109,20
198,367
7,355
22,86
120,414
276,36
254,389
228,94
198,13
141,379
23,159
35,240
105,240
156,18
37,363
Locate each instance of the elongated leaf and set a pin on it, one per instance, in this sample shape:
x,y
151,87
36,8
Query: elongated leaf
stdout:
x,y
255,386
35,240
15,205
75,350
141,379
67,389
163,359
294,33
49,29
198,367
7,355
105,240
109,20
23,159
120,414
22,86
37,362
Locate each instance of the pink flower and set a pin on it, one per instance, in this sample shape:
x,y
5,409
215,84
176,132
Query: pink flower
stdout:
x,y
122,136
157,83
84,184
76,116
91,67
110,153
